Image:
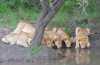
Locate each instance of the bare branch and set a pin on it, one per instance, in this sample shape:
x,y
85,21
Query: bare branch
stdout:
x,y
44,4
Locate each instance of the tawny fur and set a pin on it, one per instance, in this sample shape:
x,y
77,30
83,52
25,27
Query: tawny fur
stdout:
x,y
22,35
82,39
10,38
63,37
49,37
55,37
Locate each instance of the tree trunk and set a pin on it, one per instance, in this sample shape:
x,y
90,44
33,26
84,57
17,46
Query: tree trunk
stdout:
x,y
46,16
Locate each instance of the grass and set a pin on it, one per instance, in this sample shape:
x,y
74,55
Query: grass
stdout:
x,y
11,18
36,50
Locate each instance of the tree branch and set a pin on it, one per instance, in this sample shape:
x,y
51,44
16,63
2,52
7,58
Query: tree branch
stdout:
x,y
45,8
51,13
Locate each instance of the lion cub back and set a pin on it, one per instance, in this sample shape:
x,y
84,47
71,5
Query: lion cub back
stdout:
x,y
25,27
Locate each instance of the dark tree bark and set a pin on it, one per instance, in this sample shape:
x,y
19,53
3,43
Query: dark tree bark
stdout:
x,y
46,15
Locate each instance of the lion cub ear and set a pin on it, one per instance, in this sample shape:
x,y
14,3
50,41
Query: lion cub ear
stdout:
x,y
77,30
54,29
62,28
46,29
88,30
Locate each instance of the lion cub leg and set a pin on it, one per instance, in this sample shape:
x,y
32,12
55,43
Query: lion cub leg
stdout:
x,y
88,44
10,38
22,43
77,43
58,44
68,43
29,41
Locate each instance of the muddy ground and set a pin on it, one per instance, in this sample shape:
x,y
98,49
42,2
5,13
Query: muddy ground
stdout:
x,y
16,55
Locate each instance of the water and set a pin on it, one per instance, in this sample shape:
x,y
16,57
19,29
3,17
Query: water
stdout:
x,y
15,55
69,57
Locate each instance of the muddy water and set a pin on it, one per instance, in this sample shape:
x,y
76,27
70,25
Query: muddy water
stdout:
x,y
15,55
68,57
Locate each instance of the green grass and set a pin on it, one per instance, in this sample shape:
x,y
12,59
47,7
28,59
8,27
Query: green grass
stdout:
x,y
11,18
59,20
35,50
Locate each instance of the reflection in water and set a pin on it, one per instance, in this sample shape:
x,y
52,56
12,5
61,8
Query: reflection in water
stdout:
x,y
72,56
82,56
68,56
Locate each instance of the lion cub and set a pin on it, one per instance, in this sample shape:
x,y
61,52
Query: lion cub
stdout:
x,y
62,36
49,37
55,37
82,38
22,35
25,27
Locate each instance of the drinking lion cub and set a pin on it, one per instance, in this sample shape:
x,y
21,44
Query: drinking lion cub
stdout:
x,y
82,38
